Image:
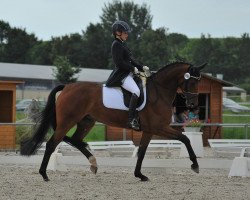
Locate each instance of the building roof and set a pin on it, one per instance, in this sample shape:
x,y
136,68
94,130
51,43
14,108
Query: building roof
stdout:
x,y
222,82
44,72
233,89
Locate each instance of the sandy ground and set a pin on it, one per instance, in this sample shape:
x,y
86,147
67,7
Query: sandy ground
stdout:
x,y
20,182
119,183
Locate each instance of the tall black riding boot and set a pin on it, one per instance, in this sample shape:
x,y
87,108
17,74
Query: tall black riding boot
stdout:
x,y
133,123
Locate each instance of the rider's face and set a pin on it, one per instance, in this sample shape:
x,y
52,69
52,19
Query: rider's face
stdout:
x,y
122,35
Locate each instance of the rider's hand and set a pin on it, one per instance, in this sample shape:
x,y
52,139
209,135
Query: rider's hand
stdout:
x,y
136,71
145,68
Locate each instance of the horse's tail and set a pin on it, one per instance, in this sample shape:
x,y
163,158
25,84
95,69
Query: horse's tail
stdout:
x,y
46,119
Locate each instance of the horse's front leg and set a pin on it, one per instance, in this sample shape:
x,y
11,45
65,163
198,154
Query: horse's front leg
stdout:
x,y
171,133
184,139
146,137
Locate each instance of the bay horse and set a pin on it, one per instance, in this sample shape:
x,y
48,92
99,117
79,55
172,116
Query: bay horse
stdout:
x,y
81,104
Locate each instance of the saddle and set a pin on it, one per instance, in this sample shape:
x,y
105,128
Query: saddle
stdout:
x,y
119,98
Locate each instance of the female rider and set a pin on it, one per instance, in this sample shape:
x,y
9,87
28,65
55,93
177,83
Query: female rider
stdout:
x,y
125,68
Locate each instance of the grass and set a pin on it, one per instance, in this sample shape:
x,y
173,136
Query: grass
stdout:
x,y
97,133
238,98
236,132
19,116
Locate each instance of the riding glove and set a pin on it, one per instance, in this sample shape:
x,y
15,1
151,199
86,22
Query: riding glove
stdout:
x,y
145,68
136,71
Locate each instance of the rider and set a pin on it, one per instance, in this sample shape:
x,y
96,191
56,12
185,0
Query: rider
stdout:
x,y
125,67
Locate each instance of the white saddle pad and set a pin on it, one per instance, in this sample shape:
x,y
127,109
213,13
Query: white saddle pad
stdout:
x,y
113,98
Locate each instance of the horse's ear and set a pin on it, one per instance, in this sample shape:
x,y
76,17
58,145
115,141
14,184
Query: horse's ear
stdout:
x,y
201,66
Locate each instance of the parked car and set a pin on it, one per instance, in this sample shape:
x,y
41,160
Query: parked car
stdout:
x,y
24,104
229,104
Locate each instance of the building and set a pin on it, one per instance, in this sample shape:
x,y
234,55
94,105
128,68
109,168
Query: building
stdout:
x,y
39,79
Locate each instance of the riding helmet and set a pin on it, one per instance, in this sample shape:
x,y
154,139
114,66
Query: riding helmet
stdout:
x,y
120,26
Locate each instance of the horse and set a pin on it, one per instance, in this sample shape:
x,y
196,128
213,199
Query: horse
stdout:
x,y
81,104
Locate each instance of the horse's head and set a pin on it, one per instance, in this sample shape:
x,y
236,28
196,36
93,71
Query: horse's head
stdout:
x,y
189,85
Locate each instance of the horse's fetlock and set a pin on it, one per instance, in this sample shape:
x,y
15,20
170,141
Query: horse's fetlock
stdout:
x,y
92,161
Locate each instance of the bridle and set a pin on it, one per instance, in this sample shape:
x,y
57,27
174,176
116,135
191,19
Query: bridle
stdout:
x,y
184,86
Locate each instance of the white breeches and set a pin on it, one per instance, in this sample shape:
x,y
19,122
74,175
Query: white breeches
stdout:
x,y
130,85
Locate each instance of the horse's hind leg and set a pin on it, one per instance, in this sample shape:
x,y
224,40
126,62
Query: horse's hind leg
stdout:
x,y
192,156
51,146
83,127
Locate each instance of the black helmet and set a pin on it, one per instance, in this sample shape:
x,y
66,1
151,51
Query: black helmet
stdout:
x,y
120,26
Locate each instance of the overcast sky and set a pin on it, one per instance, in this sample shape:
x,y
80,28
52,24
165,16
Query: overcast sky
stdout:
x,y
47,18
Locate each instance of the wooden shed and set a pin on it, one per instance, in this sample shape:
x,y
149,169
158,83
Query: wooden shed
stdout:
x,y
211,106
8,114
210,103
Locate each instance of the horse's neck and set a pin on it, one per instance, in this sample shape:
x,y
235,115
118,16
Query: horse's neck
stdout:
x,y
167,81
168,78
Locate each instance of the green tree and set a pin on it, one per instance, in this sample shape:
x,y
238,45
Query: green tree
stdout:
x,y
176,42
4,30
198,51
153,48
15,43
244,56
18,45
40,54
95,48
65,72
225,59
70,46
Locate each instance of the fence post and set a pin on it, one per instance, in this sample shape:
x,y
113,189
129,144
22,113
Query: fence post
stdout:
x,y
246,131
124,134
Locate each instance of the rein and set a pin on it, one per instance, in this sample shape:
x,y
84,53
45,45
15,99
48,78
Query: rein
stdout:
x,y
185,91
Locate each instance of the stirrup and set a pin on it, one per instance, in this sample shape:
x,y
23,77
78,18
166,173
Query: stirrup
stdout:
x,y
134,124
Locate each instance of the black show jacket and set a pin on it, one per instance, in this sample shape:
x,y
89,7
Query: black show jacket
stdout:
x,y
124,64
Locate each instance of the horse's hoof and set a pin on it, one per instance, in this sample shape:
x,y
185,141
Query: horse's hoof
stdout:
x,y
195,168
44,175
93,169
46,179
144,178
